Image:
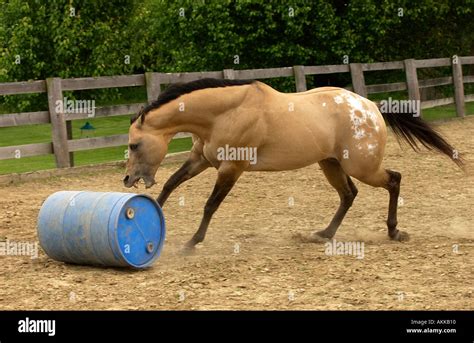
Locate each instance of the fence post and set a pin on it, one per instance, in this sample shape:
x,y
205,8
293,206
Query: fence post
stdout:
x,y
153,86
458,86
358,80
58,123
69,137
300,78
412,83
228,74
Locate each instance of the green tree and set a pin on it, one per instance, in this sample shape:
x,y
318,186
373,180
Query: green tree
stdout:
x,y
41,39
200,35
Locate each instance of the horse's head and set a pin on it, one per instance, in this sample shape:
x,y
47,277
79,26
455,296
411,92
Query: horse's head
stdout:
x,y
146,150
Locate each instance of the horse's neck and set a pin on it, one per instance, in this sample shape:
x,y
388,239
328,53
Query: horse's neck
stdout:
x,y
196,112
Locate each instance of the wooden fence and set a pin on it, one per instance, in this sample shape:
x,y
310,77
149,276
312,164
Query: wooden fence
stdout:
x,y
63,146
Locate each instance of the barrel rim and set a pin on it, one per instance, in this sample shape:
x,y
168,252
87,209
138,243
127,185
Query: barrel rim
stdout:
x,y
162,232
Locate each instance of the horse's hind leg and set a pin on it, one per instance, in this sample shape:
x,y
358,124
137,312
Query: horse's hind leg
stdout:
x,y
347,193
193,166
393,187
390,180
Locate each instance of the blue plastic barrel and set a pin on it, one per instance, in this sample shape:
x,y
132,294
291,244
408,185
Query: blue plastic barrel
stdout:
x,y
109,229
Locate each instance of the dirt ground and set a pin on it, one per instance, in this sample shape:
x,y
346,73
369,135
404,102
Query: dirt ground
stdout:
x,y
250,259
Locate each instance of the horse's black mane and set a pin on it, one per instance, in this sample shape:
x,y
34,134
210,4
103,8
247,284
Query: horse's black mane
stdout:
x,y
176,90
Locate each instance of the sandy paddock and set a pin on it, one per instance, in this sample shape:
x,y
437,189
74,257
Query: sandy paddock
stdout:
x,y
249,259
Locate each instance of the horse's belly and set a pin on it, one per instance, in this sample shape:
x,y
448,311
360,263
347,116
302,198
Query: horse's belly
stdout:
x,y
265,158
285,158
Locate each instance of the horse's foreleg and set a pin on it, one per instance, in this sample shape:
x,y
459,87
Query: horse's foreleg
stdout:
x,y
347,192
195,165
228,174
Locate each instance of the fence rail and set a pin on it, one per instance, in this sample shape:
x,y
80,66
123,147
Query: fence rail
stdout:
x,y
63,145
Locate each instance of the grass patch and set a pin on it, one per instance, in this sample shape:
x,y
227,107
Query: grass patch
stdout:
x,y
81,157
446,111
41,133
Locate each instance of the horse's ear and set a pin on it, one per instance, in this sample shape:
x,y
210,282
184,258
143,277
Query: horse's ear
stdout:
x,y
140,117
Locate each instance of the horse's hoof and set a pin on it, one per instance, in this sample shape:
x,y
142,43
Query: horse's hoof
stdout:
x,y
400,236
314,237
318,237
188,249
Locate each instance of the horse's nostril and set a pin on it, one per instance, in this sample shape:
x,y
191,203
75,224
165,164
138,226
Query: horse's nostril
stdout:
x,y
126,178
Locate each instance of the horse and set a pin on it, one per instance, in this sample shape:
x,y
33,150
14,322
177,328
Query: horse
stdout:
x,y
342,131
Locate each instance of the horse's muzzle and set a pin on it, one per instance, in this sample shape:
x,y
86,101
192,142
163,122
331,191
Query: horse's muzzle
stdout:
x,y
129,181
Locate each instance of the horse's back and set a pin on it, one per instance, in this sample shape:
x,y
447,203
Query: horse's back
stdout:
x,y
326,122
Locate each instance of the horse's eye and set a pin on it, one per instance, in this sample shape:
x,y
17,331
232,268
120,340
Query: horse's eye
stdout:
x,y
133,147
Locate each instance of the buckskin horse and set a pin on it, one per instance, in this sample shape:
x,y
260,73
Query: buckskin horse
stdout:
x,y
342,131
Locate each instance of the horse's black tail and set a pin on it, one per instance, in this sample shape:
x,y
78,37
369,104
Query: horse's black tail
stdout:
x,y
412,128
